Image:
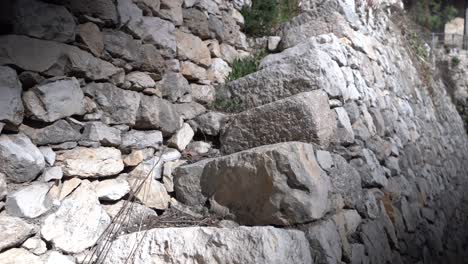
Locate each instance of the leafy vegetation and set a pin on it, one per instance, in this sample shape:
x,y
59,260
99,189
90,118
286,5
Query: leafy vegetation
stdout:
x,y
264,16
432,14
245,66
226,105
455,61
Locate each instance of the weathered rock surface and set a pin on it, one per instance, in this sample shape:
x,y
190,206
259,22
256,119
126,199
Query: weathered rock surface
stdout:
x,y
118,106
182,137
135,139
59,132
156,31
3,186
54,100
192,48
42,20
19,256
278,184
29,202
78,222
11,107
52,58
99,132
112,190
92,37
13,231
101,9
20,160
174,87
304,117
187,183
208,244
91,163
157,113
325,242
150,192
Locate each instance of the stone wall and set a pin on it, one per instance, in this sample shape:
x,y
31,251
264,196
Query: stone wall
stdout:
x,y
339,143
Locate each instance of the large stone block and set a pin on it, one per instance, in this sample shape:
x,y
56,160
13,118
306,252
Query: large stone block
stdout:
x,y
212,245
53,58
305,117
11,107
278,184
20,160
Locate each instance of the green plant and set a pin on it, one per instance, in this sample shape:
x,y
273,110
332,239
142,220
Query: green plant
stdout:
x,y
264,16
245,66
226,105
432,14
455,61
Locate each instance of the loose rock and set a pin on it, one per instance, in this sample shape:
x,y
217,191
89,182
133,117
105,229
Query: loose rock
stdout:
x,y
13,232
29,202
11,107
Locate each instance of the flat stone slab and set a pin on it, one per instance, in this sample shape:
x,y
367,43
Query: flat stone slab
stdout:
x,y
212,245
304,117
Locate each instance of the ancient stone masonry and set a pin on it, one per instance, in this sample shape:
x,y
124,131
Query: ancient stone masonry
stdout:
x,y
339,151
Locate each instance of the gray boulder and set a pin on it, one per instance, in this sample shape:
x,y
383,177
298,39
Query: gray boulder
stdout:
x,y
59,132
346,181
325,242
305,117
29,202
210,245
210,123
302,69
156,31
99,132
372,174
3,186
278,184
52,58
197,22
91,162
104,10
20,159
135,139
157,113
171,10
118,106
13,231
11,107
174,87
78,223
187,183
44,21
376,242
55,99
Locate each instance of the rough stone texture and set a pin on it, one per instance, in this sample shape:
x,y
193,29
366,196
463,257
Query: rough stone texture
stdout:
x,y
52,58
182,137
92,37
29,202
99,132
13,231
78,222
210,123
371,172
151,193
171,10
20,160
102,9
49,155
209,244
187,183
19,256
174,87
3,186
134,219
156,31
135,139
52,173
11,107
197,22
286,74
59,132
192,48
138,81
54,100
305,117
35,245
119,106
45,21
346,181
325,242
112,190
279,184
91,163
157,113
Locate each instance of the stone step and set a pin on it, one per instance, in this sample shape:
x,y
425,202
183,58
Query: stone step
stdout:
x,y
279,184
304,117
211,245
